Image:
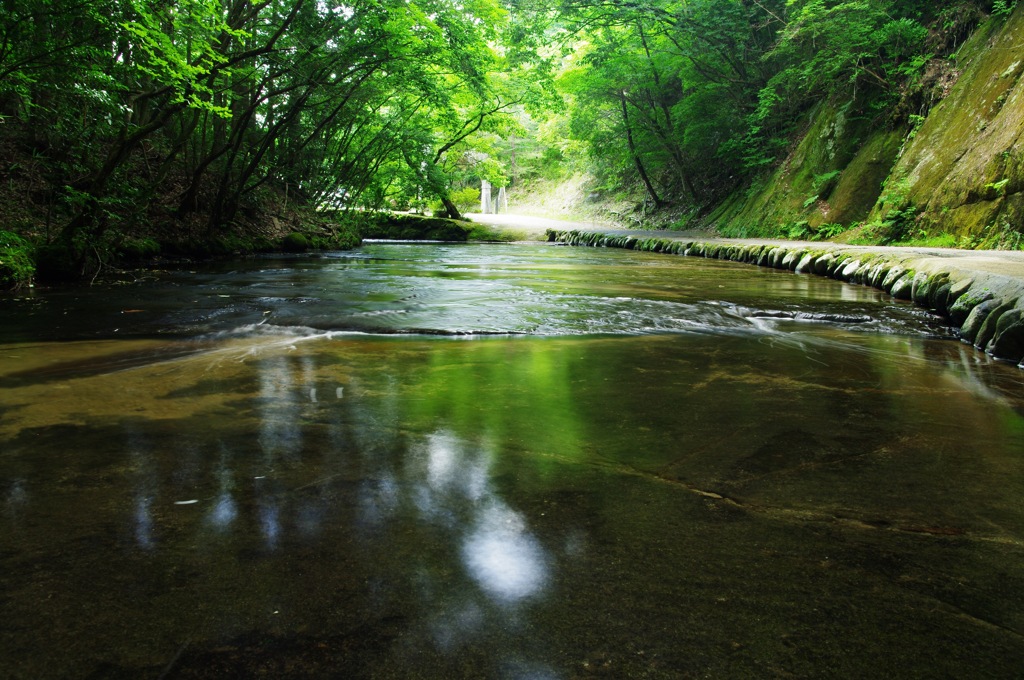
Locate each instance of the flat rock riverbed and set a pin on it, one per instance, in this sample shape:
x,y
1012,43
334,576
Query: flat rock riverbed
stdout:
x,y
438,461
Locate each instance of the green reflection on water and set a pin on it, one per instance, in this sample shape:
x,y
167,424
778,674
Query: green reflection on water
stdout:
x,y
636,506
515,392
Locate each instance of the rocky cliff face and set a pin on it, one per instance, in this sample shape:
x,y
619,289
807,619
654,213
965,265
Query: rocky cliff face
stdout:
x,y
964,168
957,170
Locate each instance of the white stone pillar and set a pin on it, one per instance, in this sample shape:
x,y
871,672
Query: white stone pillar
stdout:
x,y
485,197
502,201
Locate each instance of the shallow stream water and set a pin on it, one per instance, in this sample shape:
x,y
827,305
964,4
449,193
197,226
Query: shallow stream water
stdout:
x,y
442,461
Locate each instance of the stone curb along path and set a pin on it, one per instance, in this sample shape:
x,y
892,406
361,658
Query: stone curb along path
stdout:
x,y
981,293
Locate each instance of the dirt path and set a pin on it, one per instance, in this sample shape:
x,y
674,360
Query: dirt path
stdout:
x,y
1006,263
535,227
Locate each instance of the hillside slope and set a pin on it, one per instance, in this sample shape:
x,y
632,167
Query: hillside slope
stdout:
x,y
954,175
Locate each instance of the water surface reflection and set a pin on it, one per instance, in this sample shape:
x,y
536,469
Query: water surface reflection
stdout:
x,y
788,498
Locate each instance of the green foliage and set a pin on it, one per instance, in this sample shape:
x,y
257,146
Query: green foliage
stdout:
x,y
831,44
177,46
691,98
923,240
201,112
916,122
798,231
826,232
466,198
897,226
1002,8
825,182
997,188
241,104
900,213
803,231
830,48
1000,235
895,193
17,264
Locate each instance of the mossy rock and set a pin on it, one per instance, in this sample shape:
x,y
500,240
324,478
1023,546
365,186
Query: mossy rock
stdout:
x,y
938,298
835,268
902,289
848,270
987,331
295,243
791,259
860,184
806,264
925,286
139,249
822,263
863,273
338,237
894,275
964,304
1008,340
879,273
959,288
418,228
226,245
262,244
979,314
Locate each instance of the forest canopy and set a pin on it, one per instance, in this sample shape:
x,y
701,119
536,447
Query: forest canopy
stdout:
x,y
128,117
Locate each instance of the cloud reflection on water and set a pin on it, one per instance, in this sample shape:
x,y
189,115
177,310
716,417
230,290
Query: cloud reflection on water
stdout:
x,y
421,504
502,556
497,548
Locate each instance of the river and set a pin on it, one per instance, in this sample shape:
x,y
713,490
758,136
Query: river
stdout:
x,y
508,461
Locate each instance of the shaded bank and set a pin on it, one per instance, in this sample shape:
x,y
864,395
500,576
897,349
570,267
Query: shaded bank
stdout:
x,y
980,293
23,261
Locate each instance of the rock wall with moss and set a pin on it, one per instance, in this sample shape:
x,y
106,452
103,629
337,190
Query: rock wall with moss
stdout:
x,y
833,176
962,173
956,172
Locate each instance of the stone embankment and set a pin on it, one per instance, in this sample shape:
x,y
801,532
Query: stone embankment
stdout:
x,y
980,293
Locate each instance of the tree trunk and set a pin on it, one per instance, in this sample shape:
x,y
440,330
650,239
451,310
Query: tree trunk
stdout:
x,y
658,203
451,209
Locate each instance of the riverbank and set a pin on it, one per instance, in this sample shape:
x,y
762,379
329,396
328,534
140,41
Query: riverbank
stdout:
x,y
981,293
24,260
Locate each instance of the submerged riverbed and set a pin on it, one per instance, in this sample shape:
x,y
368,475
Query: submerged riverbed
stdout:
x,y
445,461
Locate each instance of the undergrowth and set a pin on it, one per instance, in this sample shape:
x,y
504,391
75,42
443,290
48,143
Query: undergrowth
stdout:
x,y
17,263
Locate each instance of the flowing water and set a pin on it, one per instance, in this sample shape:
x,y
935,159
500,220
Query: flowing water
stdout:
x,y
439,461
